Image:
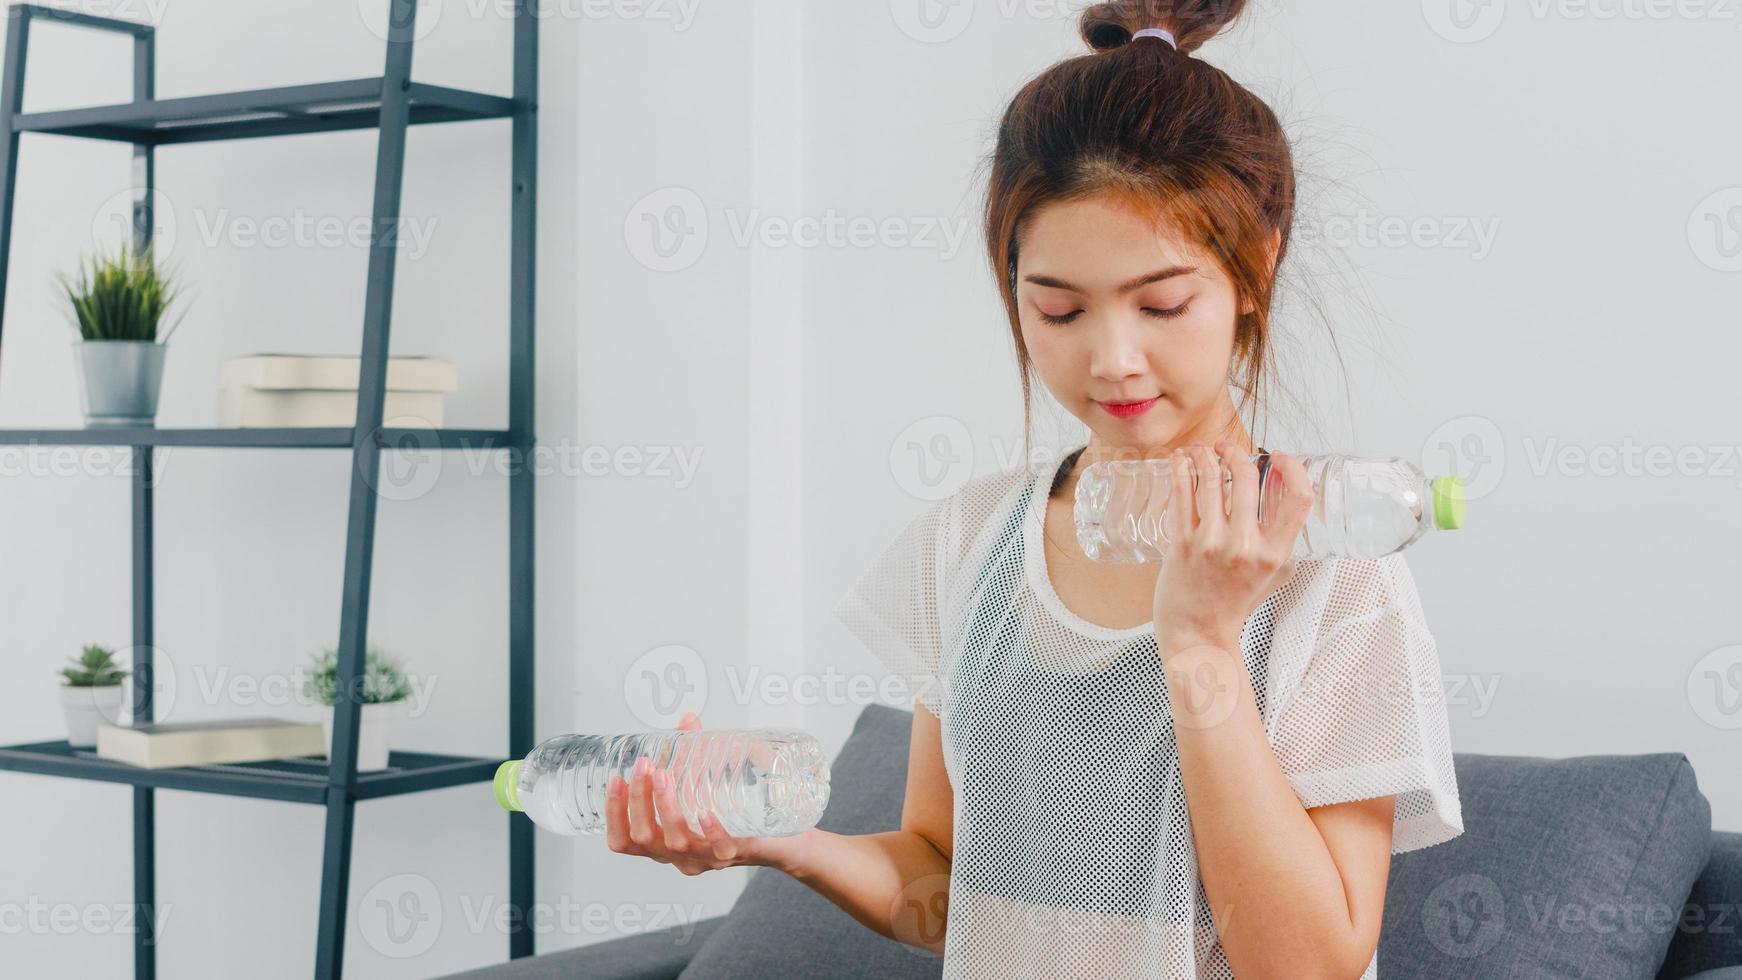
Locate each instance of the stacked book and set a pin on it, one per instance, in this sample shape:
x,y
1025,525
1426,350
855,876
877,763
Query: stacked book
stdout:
x,y
320,391
206,743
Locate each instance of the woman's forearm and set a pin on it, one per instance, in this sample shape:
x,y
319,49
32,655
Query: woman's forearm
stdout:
x,y
1278,900
895,883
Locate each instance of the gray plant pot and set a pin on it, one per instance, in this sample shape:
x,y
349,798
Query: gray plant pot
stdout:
x,y
120,380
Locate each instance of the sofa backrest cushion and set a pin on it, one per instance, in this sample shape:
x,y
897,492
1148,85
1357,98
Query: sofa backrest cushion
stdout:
x,y
1566,867
1572,867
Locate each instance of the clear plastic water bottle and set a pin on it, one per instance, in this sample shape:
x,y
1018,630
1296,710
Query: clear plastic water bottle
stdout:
x,y
763,782
1362,508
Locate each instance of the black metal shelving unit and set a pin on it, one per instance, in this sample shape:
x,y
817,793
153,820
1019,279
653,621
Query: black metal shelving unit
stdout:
x,y
389,103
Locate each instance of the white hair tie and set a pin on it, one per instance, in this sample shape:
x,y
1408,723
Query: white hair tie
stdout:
x,y
1157,32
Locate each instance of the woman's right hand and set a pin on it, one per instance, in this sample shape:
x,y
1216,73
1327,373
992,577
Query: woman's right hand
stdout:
x,y
642,817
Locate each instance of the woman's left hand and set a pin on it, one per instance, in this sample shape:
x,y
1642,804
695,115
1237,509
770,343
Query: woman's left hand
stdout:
x,y
1219,566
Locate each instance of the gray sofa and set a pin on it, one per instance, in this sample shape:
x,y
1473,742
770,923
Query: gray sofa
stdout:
x,y
1592,867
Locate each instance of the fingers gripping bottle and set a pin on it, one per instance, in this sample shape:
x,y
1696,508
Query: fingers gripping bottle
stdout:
x,y
1362,508
761,782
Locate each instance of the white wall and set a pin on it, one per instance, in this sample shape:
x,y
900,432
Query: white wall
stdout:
x,y
755,390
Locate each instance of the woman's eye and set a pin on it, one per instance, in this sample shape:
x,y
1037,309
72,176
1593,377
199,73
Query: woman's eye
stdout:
x,y
1167,314
1150,311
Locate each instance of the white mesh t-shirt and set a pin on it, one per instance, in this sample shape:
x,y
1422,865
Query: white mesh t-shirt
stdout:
x,y
1073,855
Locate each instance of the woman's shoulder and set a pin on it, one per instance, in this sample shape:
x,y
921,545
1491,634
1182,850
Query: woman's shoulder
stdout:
x,y
1328,590
983,493
996,491
985,505
977,516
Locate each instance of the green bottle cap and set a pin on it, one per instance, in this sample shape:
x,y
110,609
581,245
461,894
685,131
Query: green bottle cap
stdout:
x,y
507,784
1448,503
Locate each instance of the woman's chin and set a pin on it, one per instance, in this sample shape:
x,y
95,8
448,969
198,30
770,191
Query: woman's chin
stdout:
x,y
1150,442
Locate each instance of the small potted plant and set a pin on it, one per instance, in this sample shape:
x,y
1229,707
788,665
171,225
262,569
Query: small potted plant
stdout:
x,y
118,303
91,695
384,689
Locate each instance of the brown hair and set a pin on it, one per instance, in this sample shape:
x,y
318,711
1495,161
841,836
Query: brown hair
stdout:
x,y
1168,133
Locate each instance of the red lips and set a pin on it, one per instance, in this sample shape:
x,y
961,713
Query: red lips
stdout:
x,y
1128,410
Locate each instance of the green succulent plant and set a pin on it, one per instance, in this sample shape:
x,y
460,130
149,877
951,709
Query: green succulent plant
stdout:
x,y
93,667
383,679
121,296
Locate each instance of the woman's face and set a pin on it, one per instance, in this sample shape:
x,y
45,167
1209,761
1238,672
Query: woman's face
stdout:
x,y
1118,312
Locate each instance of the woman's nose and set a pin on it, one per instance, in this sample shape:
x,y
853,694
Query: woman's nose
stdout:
x,y
1117,353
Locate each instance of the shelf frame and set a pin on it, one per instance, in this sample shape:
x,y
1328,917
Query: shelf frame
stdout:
x,y
388,103
287,110
264,438
299,780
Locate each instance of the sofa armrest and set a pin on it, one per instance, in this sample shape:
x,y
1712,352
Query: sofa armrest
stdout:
x,y
1709,934
658,955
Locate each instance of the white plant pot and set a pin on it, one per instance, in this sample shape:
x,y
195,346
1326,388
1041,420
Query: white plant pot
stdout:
x,y
374,726
86,708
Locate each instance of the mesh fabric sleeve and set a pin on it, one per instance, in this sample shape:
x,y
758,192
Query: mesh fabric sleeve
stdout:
x,y
1366,716
894,607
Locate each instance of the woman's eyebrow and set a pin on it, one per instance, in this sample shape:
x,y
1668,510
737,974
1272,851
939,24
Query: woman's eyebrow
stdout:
x,y
1138,283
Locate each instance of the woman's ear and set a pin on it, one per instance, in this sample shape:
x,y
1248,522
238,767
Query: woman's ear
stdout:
x,y
1246,305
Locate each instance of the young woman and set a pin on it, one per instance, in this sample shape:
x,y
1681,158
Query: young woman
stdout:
x,y
1197,769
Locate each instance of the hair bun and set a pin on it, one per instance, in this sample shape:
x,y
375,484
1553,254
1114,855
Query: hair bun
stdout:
x,y
1110,25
